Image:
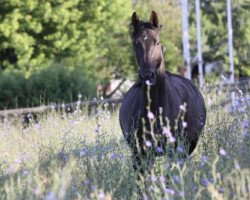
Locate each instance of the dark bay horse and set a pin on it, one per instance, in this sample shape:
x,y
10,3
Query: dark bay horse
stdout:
x,y
150,108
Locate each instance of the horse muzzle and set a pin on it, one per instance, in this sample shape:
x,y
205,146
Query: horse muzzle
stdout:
x,y
148,77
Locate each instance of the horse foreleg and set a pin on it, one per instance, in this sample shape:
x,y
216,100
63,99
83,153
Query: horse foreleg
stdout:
x,y
143,165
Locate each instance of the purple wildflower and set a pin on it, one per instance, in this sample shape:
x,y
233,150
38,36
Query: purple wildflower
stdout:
x,y
176,179
245,124
160,109
86,182
97,130
172,139
101,195
11,170
38,126
204,182
162,179
150,115
202,164
222,152
25,172
159,150
83,153
148,83
148,143
166,131
93,188
209,102
114,156
166,165
99,157
24,157
195,188
36,146
229,109
36,191
235,104
182,194
180,149
204,159
51,196
242,109
182,107
17,161
152,188
145,197
244,133
153,178
184,124
221,190
181,162
170,191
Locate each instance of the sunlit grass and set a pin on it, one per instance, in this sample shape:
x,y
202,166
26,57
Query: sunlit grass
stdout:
x,y
76,156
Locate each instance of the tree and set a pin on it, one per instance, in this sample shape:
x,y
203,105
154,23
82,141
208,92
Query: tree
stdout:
x,y
35,33
51,50
215,34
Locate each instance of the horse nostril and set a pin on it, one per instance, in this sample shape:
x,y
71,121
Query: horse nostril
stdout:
x,y
152,75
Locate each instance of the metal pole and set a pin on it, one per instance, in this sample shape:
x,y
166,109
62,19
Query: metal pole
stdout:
x,y
230,40
198,32
185,37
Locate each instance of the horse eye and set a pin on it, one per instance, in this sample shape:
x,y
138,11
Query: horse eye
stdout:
x,y
135,43
157,42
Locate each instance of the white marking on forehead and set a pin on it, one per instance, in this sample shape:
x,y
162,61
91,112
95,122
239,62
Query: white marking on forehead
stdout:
x,y
145,37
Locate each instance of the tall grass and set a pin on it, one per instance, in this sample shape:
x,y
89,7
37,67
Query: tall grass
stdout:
x,y
76,156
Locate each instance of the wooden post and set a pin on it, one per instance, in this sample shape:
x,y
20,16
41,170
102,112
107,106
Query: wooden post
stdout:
x,y
230,40
199,48
185,38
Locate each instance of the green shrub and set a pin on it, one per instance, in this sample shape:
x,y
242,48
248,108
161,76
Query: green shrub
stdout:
x,y
12,90
55,84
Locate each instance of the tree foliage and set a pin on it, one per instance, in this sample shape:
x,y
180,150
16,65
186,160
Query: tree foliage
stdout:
x,y
50,50
35,33
215,33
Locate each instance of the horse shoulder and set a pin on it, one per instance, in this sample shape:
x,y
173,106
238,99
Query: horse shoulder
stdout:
x,y
185,88
130,108
189,93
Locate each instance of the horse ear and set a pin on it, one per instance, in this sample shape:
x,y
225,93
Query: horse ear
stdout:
x,y
135,20
154,19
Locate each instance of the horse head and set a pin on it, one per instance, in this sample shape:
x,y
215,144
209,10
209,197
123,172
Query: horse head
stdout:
x,y
147,48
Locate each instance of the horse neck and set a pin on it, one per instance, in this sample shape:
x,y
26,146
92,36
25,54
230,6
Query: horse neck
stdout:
x,y
159,89
157,93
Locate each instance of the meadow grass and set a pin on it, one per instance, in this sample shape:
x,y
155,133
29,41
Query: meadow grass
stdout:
x,y
80,156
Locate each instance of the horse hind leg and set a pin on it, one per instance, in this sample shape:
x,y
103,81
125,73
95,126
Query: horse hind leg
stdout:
x,y
192,146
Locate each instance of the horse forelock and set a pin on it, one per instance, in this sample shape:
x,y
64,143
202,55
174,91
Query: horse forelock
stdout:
x,y
134,31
